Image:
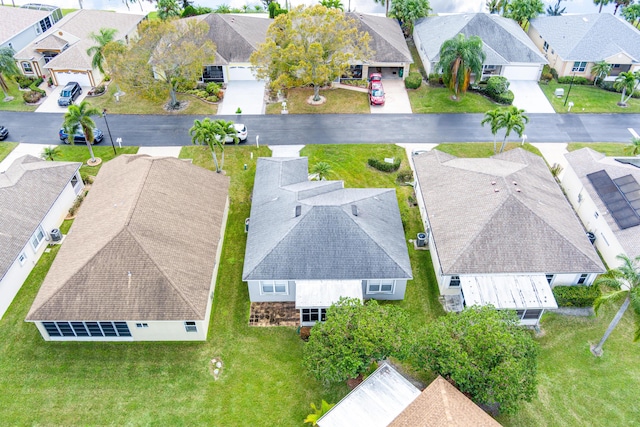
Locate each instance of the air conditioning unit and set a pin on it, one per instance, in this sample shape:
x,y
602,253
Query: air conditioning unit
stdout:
x,y
56,235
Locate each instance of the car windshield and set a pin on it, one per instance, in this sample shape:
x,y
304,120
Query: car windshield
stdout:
x,y
377,92
66,93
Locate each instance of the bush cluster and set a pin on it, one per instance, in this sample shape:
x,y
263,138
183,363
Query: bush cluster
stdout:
x,y
576,296
496,88
435,79
383,166
413,80
405,175
608,86
31,97
576,80
355,82
548,71
211,91
24,82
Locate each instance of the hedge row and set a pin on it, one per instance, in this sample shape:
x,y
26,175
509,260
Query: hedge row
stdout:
x,y
576,80
576,296
384,166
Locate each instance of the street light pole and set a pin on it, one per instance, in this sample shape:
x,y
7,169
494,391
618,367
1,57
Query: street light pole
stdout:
x,y
104,114
569,91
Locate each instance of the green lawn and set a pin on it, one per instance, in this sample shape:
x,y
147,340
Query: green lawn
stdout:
x,y
427,99
339,101
608,148
80,153
481,149
132,103
6,148
588,99
17,104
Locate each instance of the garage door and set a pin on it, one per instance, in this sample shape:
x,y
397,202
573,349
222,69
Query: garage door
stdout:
x,y
240,73
521,72
66,77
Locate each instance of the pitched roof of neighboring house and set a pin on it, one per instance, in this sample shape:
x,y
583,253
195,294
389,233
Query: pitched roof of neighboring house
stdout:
x,y
387,39
340,233
590,37
503,214
586,161
28,190
504,42
16,19
443,405
236,36
373,403
75,29
143,246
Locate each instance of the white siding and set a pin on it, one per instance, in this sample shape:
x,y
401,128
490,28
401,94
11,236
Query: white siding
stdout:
x,y
255,296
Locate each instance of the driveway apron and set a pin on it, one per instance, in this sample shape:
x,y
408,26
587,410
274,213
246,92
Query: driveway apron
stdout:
x,y
396,98
248,95
529,97
50,102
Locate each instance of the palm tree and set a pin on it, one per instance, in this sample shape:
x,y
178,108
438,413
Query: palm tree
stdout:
x,y
493,118
48,153
626,281
555,10
634,148
599,70
511,119
214,134
79,116
223,131
493,6
459,57
322,169
601,3
631,14
336,4
104,36
523,11
318,412
623,3
626,82
8,68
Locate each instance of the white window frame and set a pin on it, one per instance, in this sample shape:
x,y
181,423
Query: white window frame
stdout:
x,y
142,325
545,46
582,279
190,326
22,258
454,282
375,286
550,278
24,65
35,235
321,312
580,67
275,284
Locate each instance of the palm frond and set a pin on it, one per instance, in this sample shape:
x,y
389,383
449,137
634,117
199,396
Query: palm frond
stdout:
x,y
606,298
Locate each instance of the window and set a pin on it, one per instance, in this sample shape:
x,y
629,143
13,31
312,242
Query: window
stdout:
x,y
274,287
532,314
519,313
314,314
190,327
212,73
545,46
455,282
380,286
37,238
579,66
582,278
45,24
22,258
615,65
26,67
580,197
142,325
87,329
549,278
596,215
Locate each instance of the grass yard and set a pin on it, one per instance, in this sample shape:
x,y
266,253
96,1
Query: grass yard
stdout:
x,y
417,66
6,148
17,103
339,101
427,99
80,153
588,99
481,149
608,148
131,103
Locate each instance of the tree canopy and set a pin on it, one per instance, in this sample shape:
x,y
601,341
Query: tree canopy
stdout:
x,y
310,46
485,353
8,67
459,57
102,38
408,11
354,336
214,134
627,82
79,117
522,11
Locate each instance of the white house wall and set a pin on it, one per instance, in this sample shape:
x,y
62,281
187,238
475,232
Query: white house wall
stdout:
x,y
22,39
255,296
423,56
12,281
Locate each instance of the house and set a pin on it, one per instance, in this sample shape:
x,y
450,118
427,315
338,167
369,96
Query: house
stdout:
x,y
311,242
142,256
386,398
605,193
35,197
509,52
501,232
21,25
61,52
573,43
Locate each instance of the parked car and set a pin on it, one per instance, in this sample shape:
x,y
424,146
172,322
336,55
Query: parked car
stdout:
x,y
69,93
375,77
78,137
241,131
376,92
4,132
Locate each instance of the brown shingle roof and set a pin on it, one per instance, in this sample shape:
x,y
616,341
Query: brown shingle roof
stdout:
x,y
143,246
16,19
443,405
236,36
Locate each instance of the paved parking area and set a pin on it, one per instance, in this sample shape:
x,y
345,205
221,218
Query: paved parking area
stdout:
x,y
529,97
50,103
248,95
396,98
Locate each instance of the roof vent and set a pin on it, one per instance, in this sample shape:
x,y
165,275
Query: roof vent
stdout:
x,y
496,190
298,210
518,190
584,18
354,210
493,183
515,183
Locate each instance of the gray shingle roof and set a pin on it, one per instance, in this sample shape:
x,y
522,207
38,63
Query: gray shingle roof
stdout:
x,y
526,227
143,246
326,241
387,39
503,39
590,37
586,161
16,19
236,36
28,189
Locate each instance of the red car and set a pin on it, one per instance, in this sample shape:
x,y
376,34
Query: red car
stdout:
x,y
376,90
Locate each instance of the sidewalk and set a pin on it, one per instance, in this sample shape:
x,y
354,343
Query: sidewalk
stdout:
x,y
21,150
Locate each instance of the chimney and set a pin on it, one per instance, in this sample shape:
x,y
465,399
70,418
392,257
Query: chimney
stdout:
x,y
354,210
298,210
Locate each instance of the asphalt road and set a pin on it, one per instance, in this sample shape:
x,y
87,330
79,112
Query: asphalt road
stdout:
x,y
150,130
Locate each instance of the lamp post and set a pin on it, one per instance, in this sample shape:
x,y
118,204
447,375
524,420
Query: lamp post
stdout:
x,y
569,91
104,114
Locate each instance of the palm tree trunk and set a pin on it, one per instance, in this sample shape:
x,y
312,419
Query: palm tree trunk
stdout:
x,y
601,4
93,159
215,159
504,144
172,94
597,350
222,160
631,94
495,142
316,93
624,92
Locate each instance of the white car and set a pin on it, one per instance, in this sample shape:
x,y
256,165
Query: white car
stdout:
x,y
241,131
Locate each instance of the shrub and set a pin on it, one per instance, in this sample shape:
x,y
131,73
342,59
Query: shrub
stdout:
x,y
76,204
608,86
576,80
576,296
99,90
435,79
546,77
355,82
23,81
504,98
405,175
384,166
31,97
413,80
212,98
212,88
184,85
497,85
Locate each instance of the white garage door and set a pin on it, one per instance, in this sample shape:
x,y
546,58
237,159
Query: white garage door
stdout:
x,y
521,72
66,77
240,73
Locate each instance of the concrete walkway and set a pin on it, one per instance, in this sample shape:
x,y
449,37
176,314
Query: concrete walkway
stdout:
x,y
160,151
529,97
248,95
554,154
21,150
285,150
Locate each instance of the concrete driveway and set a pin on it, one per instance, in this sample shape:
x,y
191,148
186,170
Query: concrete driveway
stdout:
x,y
248,95
529,97
396,98
50,103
